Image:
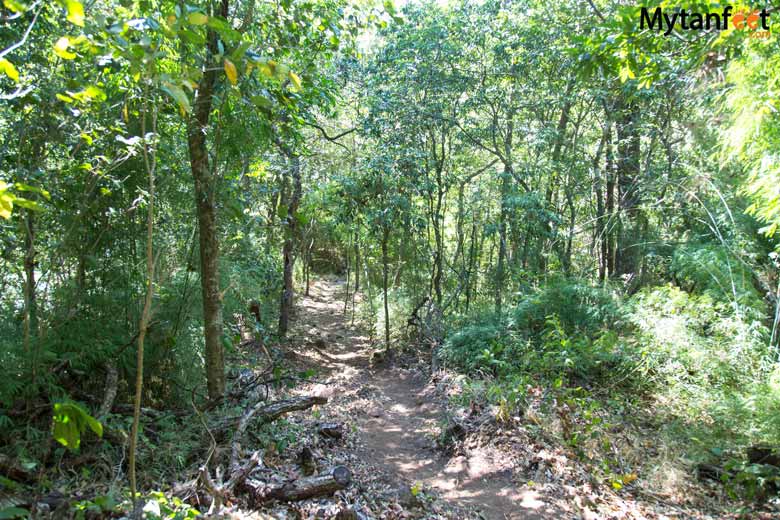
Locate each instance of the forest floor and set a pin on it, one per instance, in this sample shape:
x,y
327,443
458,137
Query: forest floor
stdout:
x,y
395,415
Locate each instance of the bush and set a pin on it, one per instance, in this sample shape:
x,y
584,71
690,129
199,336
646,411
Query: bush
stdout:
x,y
478,348
580,307
711,366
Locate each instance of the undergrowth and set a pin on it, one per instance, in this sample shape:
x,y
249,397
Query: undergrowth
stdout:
x,y
695,364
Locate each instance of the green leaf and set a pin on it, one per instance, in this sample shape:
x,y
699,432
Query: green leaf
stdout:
x,y
224,29
179,96
94,425
70,421
75,12
8,68
261,101
28,204
240,51
192,37
197,18
91,93
626,73
13,512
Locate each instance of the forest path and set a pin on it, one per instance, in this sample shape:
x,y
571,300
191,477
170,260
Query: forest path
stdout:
x,y
396,415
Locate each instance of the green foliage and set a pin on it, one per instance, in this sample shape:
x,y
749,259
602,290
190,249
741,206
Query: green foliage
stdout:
x,y
476,347
713,270
70,421
13,512
746,480
579,306
693,341
581,348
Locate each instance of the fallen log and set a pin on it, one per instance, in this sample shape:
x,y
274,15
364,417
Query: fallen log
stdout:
x,y
331,430
264,412
335,479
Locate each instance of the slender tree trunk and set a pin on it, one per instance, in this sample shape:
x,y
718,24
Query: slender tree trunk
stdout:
x,y
276,200
471,267
438,232
288,250
560,137
357,265
502,227
30,300
307,259
346,296
151,163
609,232
385,268
598,187
570,236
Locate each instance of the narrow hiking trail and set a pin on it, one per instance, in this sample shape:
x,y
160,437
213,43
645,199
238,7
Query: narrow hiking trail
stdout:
x,y
395,416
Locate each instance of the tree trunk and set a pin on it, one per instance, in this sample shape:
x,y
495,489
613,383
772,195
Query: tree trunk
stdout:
x,y
357,265
150,163
628,189
307,259
30,301
609,231
349,273
601,240
502,224
205,203
385,267
288,250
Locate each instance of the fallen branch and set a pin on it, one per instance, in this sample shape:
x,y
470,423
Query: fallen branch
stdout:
x,y
324,484
267,413
14,470
239,473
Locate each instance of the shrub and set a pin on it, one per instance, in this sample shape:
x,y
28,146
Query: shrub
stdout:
x,y
478,348
580,307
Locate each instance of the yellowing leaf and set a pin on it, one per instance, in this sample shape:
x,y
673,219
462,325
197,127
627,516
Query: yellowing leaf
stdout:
x,y
231,72
198,19
626,73
6,204
8,68
295,80
15,6
75,12
91,93
267,68
629,478
61,49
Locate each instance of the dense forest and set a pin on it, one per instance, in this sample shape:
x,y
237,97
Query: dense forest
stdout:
x,y
356,259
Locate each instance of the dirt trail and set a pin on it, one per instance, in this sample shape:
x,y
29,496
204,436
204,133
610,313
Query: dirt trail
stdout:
x,y
397,417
